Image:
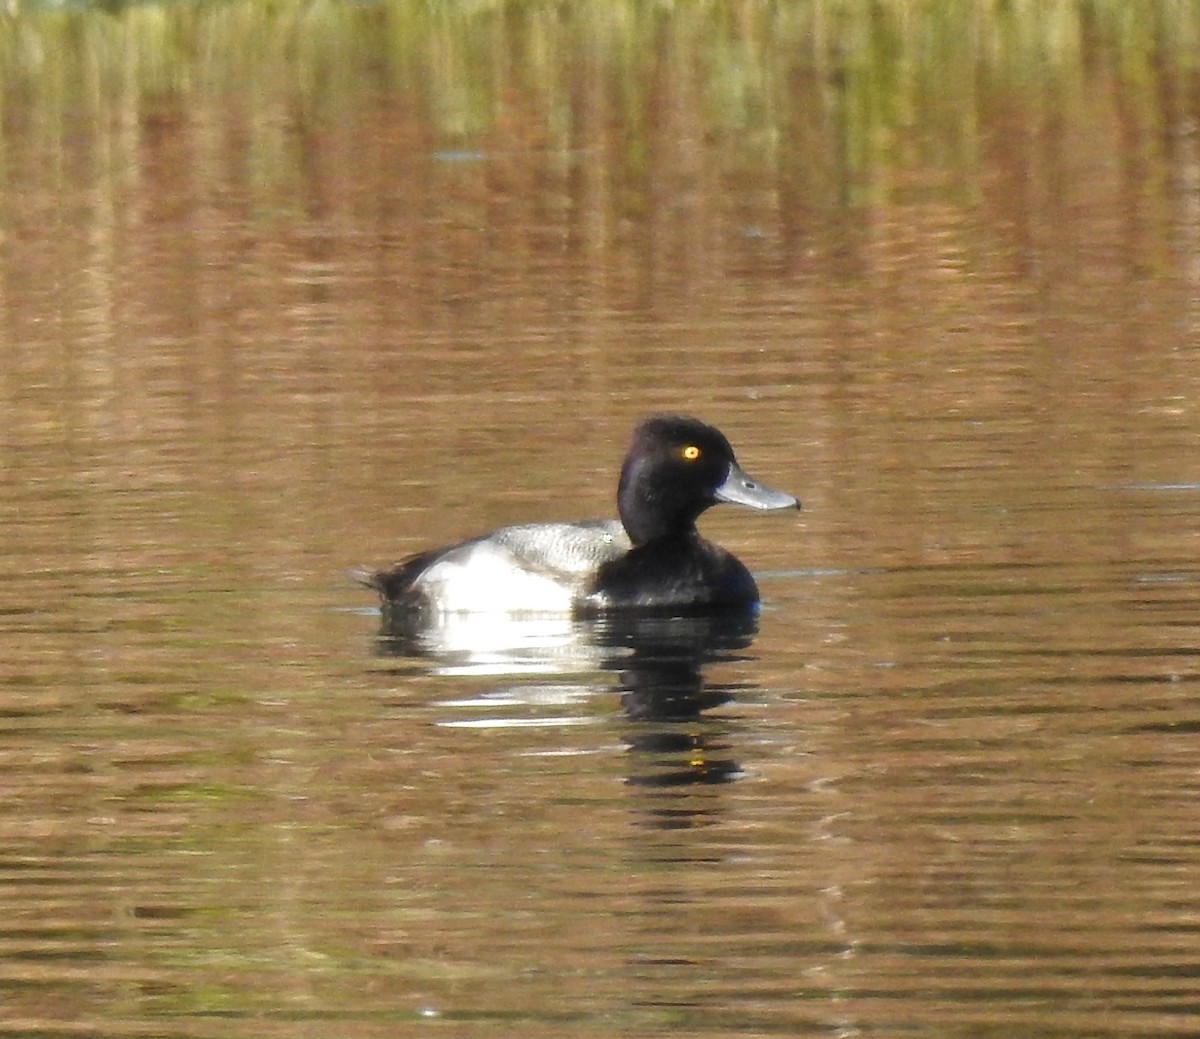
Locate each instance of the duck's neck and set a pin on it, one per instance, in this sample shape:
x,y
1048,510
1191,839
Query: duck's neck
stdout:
x,y
643,533
644,517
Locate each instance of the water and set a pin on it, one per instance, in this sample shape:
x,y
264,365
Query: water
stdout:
x,y
946,785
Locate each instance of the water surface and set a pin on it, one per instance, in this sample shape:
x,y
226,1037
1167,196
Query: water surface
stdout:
x,y
320,287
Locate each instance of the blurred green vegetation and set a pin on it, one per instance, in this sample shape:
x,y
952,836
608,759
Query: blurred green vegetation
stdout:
x,y
464,55
849,72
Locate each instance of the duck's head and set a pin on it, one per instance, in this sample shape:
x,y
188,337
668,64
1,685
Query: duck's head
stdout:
x,y
677,467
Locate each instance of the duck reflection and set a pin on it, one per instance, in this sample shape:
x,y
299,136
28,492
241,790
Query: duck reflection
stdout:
x,y
663,688
658,662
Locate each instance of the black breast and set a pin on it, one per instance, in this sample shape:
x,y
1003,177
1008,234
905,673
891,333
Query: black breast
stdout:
x,y
679,573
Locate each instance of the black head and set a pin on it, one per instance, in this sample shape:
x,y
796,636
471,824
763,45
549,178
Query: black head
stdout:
x,y
676,468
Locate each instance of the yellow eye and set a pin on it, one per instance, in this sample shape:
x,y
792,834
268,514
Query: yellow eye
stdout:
x,y
690,453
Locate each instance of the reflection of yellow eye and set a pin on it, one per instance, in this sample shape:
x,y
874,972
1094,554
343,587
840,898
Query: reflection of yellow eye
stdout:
x,y
690,453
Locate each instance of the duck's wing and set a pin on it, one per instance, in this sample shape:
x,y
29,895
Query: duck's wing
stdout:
x,y
571,551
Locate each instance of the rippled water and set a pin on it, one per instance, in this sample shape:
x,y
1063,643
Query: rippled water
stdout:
x,y
945,785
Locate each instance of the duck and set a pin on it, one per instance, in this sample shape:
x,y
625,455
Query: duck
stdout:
x,y
651,559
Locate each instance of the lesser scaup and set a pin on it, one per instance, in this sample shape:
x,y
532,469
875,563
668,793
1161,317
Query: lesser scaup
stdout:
x,y
653,558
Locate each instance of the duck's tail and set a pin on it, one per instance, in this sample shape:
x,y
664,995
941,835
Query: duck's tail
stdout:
x,y
394,583
366,576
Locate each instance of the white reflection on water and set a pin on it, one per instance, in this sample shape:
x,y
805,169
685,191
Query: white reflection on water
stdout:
x,y
515,723
483,644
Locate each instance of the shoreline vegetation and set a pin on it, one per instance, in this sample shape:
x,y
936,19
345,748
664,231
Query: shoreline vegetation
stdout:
x,y
468,68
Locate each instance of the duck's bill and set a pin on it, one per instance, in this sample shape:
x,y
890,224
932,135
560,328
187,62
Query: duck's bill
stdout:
x,y
740,488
